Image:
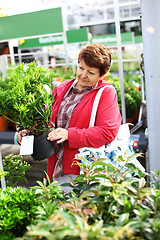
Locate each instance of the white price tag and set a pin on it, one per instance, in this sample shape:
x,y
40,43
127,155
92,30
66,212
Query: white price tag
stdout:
x,y
27,145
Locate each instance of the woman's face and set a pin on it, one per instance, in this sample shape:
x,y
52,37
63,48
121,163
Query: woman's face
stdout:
x,y
87,76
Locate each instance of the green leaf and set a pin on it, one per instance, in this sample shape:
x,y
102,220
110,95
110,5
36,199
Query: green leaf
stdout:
x,y
68,218
142,182
107,183
123,218
132,189
80,222
136,212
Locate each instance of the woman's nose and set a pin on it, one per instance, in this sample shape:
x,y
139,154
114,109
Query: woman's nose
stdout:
x,y
84,74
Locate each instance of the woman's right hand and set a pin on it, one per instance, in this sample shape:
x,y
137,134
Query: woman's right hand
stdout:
x,y
20,135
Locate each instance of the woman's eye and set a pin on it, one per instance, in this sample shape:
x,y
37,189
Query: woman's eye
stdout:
x,y
91,73
81,67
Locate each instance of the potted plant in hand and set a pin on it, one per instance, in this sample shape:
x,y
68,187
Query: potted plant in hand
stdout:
x,y
28,103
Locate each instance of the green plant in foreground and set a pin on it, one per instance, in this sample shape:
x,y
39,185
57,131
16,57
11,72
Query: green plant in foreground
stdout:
x,y
15,168
48,190
51,195
122,199
18,207
107,202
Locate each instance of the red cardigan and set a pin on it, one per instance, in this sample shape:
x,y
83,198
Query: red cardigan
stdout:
x,y
108,120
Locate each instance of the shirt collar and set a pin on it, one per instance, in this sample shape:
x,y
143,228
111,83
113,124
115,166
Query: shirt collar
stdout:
x,y
87,88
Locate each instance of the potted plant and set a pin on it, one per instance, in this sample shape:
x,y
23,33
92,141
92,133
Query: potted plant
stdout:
x,y
28,102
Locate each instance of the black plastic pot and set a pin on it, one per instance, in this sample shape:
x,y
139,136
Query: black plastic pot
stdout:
x,y
42,148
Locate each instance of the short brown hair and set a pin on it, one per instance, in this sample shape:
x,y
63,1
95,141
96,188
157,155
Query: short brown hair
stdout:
x,y
96,55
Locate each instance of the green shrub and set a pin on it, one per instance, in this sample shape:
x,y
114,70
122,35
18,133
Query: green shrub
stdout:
x,y
50,194
18,207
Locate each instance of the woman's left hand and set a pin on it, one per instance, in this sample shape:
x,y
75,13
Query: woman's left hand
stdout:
x,y
59,134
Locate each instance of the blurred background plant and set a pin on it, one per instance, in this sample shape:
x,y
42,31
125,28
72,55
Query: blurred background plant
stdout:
x,y
133,95
15,168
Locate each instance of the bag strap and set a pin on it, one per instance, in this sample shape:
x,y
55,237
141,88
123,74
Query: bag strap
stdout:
x,y
95,106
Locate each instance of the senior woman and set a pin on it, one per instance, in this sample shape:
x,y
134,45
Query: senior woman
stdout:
x,y
72,107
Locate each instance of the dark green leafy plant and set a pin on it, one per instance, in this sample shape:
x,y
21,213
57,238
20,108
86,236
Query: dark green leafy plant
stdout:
x,y
15,168
26,102
18,207
123,201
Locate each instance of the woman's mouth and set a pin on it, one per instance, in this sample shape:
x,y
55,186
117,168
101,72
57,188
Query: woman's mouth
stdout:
x,y
84,80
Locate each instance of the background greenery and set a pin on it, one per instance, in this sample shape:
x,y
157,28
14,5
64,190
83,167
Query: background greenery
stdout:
x,y
15,168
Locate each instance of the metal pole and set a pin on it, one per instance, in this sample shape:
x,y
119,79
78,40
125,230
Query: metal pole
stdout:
x,y
45,56
11,51
151,36
65,28
3,66
3,183
120,59
20,56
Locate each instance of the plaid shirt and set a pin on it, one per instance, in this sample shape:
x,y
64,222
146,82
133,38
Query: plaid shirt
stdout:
x,y
69,102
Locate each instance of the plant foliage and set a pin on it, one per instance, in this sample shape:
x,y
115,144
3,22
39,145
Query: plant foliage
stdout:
x,y
26,102
106,203
18,208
